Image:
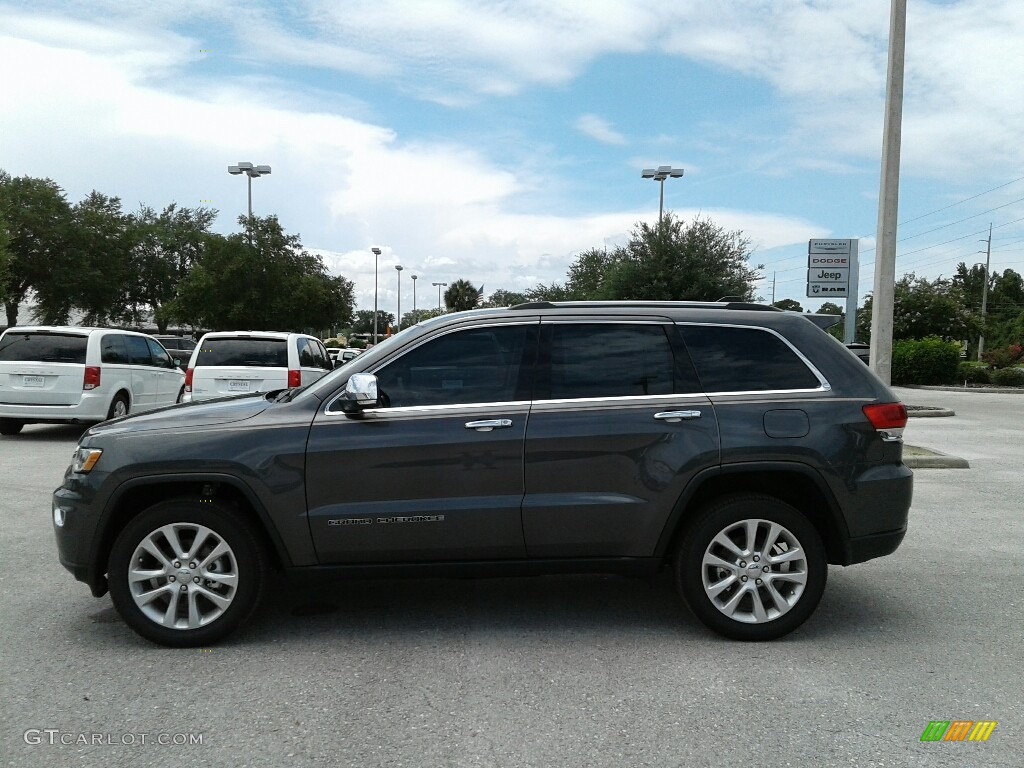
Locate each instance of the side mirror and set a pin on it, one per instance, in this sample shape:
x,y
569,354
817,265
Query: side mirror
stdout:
x,y
177,362
360,392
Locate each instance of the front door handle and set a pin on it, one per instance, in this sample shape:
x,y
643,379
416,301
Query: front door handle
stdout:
x,y
674,416
486,425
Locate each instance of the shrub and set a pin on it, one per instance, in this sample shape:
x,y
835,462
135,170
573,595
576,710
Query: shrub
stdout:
x,y
925,361
973,374
1007,357
1008,377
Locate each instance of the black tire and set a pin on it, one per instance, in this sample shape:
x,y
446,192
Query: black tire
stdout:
x,y
119,401
741,601
245,560
10,426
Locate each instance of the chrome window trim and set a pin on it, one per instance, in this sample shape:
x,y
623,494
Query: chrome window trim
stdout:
x,y
823,385
621,399
430,410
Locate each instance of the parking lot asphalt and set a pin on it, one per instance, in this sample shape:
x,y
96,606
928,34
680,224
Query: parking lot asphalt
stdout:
x,y
567,671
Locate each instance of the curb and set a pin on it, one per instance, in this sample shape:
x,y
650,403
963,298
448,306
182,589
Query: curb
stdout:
x,y
929,413
981,390
935,460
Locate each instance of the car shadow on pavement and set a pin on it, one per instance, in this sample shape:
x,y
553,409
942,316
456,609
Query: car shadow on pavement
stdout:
x,y
46,433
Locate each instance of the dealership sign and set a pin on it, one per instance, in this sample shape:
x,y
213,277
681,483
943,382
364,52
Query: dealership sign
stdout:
x,y
828,268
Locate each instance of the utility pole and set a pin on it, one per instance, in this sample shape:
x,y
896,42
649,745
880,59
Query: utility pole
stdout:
x,y
888,199
773,287
984,293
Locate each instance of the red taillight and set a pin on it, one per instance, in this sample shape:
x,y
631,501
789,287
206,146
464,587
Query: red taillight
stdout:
x,y
888,419
92,377
294,378
188,379
887,415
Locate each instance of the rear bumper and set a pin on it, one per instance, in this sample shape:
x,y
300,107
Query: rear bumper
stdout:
x,y
864,548
91,408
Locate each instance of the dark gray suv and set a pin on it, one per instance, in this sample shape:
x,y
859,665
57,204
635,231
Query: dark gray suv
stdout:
x,y
739,445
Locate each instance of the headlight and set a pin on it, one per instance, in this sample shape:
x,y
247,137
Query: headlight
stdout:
x,y
85,459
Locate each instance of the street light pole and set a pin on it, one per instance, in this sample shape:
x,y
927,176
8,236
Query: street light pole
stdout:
x,y
984,293
252,172
376,256
398,318
414,279
439,294
659,174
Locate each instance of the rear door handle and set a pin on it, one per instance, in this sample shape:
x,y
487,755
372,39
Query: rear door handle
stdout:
x,y
674,416
486,425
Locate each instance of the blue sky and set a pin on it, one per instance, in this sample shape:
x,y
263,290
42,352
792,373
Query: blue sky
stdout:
x,y
493,141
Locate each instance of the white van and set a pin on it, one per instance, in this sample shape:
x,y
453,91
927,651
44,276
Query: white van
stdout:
x,y
241,362
55,374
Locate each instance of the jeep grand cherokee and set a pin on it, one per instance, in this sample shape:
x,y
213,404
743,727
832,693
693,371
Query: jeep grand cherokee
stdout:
x,y
738,445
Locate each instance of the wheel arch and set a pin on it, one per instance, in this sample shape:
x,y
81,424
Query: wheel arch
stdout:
x,y
139,494
798,485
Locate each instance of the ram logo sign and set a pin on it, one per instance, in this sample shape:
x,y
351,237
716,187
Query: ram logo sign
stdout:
x,y
958,730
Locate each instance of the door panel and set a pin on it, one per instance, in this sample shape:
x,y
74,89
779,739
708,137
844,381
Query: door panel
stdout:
x,y
437,472
401,485
618,429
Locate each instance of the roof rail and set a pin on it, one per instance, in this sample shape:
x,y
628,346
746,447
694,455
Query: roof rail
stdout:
x,y
749,305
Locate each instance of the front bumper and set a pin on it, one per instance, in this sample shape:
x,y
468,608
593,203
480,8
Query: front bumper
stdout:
x,y
74,534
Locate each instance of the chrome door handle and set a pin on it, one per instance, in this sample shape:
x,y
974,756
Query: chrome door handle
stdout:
x,y
487,425
674,416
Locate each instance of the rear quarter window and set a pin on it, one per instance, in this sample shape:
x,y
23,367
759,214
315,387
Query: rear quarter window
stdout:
x,y
731,359
43,347
243,353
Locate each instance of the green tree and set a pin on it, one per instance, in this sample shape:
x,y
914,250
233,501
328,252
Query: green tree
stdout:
x,y
165,249
923,308
503,298
99,243
462,295
273,284
790,304
419,315
38,221
363,322
678,262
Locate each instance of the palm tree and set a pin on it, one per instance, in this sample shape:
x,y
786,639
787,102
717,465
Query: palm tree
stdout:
x,y
462,295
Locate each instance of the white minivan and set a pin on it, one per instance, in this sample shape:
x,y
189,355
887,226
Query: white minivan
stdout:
x,y
241,362
55,374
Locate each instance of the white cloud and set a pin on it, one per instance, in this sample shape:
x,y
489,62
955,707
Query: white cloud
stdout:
x,y
599,130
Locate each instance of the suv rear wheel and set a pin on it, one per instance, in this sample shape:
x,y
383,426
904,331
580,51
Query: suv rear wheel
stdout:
x,y
751,567
185,573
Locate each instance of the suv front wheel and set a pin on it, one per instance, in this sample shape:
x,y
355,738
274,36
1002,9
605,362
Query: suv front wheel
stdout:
x,y
185,573
751,567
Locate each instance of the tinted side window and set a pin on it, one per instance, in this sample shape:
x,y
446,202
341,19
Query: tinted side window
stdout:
x,y
306,357
138,350
43,347
480,365
744,360
323,359
160,356
608,360
112,350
